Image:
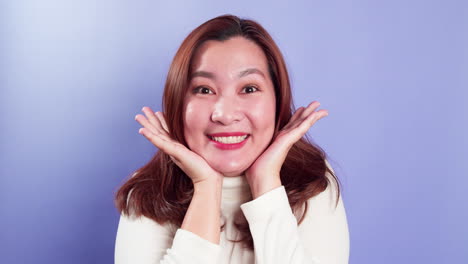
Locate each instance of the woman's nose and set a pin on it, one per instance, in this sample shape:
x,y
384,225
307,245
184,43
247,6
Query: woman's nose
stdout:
x,y
226,111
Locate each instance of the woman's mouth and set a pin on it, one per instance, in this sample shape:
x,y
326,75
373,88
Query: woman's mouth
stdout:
x,y
229,140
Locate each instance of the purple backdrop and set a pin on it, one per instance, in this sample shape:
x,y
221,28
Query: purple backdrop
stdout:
x,y
393,75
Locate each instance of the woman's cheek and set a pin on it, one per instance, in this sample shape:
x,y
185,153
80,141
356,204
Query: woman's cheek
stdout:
x,y
195,111
263,112
194,121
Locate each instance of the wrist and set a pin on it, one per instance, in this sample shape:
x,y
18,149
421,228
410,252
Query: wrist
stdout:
x,y
262,185
208,185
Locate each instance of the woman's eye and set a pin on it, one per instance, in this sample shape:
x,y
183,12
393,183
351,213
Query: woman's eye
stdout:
x,y
202,90
250,89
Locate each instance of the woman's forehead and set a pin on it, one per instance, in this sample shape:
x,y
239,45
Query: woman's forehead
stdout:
x,y
233,57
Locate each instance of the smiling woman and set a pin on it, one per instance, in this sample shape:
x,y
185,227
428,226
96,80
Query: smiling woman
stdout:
x,y
235,177
238,104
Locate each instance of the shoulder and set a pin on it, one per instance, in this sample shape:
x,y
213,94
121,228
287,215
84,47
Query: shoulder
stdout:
x,y
140,239
144,225
325,227
327,207
332,194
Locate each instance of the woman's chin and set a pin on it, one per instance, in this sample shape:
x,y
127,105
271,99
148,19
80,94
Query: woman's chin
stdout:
x,y
230,171
233,174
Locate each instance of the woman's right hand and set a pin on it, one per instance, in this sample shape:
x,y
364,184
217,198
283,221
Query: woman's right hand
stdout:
x,y
155,129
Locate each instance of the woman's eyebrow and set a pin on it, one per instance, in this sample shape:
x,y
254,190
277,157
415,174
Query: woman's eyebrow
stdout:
x,y
251,71
241,74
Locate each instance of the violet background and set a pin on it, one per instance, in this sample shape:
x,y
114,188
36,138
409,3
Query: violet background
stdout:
x,y
393,75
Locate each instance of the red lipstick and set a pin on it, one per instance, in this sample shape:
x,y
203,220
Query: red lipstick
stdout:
x,y
228,134
228,146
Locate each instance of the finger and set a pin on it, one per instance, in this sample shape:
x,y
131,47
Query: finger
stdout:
x,y
152,118
307,112
309,109
311,119
297,114
155,121
160,142
293,119
145,123
160,132
301,127
162,126
162,120
303,115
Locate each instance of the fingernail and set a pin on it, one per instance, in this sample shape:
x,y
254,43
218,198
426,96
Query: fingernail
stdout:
x,y
143,109
139,131
136,117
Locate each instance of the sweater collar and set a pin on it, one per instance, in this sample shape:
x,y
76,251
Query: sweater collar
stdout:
x,y
236,189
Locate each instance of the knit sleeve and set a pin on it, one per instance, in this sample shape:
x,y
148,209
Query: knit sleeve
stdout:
x,y
141,240
322,237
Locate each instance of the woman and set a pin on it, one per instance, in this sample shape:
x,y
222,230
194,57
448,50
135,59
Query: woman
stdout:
x,y
234,180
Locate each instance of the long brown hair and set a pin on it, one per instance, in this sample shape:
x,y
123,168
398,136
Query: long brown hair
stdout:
x,y
161,191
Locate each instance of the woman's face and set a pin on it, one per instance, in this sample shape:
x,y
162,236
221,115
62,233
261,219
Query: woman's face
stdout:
x,y
229,114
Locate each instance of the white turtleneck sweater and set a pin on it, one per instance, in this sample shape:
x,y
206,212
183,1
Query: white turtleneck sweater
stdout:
x,y
322,237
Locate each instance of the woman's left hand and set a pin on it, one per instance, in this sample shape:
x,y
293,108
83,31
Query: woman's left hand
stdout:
x,y
264,174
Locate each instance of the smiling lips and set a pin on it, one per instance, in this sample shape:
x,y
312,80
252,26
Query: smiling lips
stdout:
x,y
228,141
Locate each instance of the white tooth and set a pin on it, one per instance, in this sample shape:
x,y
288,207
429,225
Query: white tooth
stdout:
x,y
230,140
